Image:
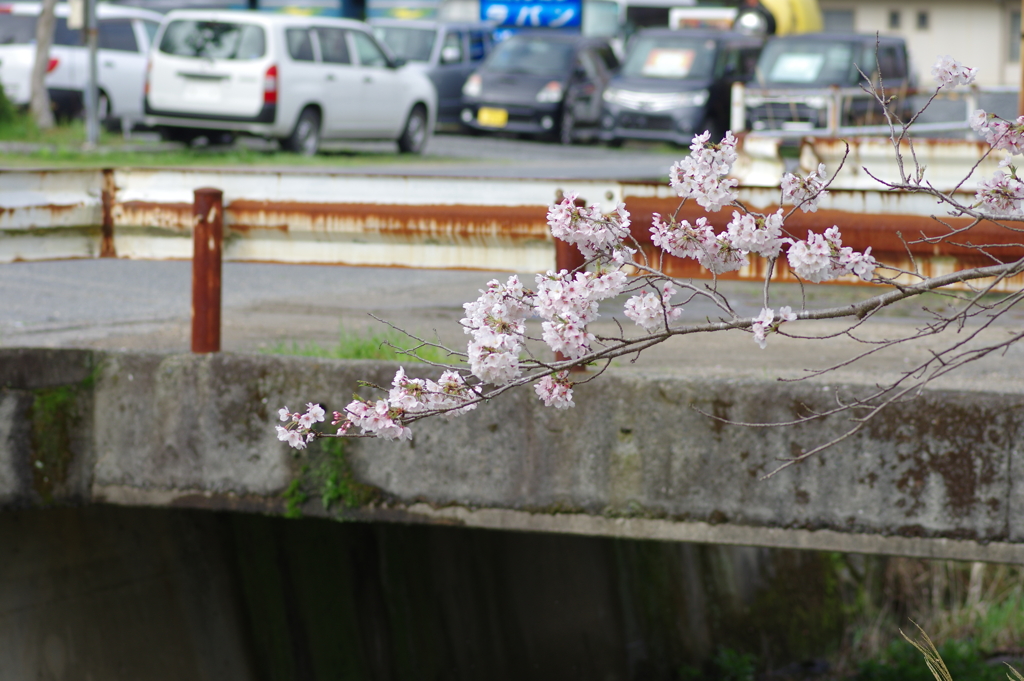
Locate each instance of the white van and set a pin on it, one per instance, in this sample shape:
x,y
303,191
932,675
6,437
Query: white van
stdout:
x,y
291,78
125,34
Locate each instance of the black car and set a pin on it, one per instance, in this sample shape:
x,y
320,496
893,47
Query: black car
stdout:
x,y
540,84
674,84
796,73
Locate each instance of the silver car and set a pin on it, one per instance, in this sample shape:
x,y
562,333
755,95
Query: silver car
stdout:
x,y
125,35
295,79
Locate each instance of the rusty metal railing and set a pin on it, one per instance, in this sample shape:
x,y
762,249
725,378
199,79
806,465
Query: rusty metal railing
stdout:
x,y
416,222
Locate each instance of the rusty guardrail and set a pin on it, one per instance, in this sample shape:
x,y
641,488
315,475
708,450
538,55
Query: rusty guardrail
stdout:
x,y
477,223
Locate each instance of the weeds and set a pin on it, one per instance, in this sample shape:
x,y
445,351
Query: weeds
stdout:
x,y
381,346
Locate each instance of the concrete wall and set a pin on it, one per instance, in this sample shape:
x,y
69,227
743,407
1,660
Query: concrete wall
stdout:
x,y
121,594
938,476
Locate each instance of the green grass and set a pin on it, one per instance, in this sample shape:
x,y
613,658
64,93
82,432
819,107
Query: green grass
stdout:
x,y
62,146
383,346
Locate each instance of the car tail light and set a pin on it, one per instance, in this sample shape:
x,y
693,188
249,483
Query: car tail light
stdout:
x,y
5,9
270,85
145,83
52,64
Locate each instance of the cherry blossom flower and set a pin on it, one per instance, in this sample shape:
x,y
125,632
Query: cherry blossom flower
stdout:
x,y
1000,134
754,234
805,192
702,174
591,231
823,258
949,72
1002,194
651,311
555,390
496,320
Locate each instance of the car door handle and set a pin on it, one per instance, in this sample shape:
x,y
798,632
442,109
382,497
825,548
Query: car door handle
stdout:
x,y
367,79
330,76
108,64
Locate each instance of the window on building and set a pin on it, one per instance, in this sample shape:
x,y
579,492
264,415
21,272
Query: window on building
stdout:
x,y
1014,43
922,20
838,20
894,19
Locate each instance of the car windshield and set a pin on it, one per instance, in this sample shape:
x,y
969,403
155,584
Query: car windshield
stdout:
x,y
670,57
534,56
411,44
810,63
17,29
213,40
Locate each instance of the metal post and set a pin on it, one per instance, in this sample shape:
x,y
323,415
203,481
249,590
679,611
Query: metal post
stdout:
x,y
92,128
738,107
208,229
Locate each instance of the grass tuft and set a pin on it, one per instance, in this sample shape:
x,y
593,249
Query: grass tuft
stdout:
x,y
390,346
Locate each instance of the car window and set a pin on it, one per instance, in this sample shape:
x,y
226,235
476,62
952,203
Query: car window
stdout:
x,y
809,63
411,44
451,49
890,62
117,34
17,29
333,46
535,56
670,57
300,45
479,43
369,53
62,35
151,28
213,39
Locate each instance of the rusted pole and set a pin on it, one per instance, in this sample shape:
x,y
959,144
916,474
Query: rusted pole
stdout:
x,y
208,230
107,249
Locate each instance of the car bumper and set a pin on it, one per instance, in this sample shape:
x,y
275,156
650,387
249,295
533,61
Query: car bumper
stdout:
x,y
262,124
675,125
523,119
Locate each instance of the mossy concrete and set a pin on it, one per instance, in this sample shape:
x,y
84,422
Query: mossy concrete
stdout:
x,y
637,457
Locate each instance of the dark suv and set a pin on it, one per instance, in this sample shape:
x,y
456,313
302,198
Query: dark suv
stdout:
x,y
541,84
799,75
676,83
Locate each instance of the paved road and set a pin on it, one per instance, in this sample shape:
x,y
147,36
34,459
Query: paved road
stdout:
x,y
114,304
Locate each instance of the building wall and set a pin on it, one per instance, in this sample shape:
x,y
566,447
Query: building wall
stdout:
x,y
976,33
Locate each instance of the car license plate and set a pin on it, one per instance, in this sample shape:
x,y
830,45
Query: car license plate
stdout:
x,y
492,118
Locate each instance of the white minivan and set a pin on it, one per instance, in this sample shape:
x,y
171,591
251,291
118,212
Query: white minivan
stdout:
x,y
125,34
296,79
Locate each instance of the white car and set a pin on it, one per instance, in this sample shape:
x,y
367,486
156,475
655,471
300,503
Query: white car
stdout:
x,y
296,79
125,34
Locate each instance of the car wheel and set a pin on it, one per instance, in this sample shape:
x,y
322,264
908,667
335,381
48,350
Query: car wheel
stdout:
x,y
305,138
414,136
184,135
615,142
567,125
104,113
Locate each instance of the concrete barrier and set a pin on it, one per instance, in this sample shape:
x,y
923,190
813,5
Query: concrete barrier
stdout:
x,y
938,476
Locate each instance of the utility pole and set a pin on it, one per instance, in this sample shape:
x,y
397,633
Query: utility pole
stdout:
x,y
92,127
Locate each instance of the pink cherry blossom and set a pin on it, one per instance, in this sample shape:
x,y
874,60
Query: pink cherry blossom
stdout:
x,y
949,72
555,390
805,192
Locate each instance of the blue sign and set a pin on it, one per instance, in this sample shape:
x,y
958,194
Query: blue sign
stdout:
x,y
551,14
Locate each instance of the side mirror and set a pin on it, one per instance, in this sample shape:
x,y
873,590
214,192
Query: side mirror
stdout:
x,y
451,54
398,62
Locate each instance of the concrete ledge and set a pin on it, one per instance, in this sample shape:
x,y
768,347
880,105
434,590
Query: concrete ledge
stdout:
x,y
933,477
